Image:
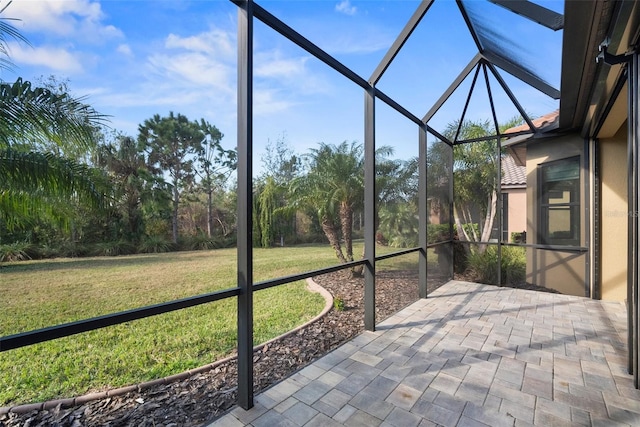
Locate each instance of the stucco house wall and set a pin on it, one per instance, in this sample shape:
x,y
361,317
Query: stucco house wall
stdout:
x,y
563,271
613,222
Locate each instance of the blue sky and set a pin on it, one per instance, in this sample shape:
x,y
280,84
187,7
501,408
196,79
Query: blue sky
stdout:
x,y
136,58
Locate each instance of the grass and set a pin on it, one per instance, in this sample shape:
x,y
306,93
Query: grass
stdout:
x,y
37,294
43,293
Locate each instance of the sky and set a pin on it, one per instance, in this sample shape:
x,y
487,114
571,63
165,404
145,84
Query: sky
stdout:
x,y
132,59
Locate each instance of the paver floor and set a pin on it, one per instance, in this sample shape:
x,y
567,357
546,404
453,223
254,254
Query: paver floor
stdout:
x,y
469,355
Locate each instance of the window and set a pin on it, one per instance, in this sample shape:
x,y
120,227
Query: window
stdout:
x,y
559,185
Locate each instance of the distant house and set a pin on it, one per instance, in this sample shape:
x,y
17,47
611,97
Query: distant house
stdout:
x,y
514,199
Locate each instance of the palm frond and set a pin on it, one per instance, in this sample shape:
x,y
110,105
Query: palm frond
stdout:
x,y
39,115
34,183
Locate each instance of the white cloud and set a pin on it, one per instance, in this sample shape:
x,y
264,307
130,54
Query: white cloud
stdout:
x,y
77,18
345,7
273,65
194,68
213,42
268,102
203,61
55,58
124,49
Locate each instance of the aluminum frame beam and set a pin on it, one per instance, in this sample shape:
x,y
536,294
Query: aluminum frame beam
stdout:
x,y
244,204
422,212
400,41
466,104
511,96
633,263
534,12
370,209
470,27
292,35
452,88
522,74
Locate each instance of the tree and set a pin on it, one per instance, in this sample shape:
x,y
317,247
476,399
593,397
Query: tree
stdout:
x,y
397,197
124,161
32,179
273,218
215,164
333,187
475,178
280,161
171,143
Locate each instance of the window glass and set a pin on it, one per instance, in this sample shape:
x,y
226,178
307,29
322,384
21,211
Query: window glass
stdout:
x,y
560,202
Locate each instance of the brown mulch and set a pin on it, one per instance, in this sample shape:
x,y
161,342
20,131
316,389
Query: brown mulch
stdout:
x,y
203,397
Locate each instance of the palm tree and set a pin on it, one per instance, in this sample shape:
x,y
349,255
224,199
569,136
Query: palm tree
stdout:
x,y
333,188
32,180
126,165
475,167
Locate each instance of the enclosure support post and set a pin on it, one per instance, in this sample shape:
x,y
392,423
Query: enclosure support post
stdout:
x,y
499,209
452,251
244,204
369,210
633,77
422,212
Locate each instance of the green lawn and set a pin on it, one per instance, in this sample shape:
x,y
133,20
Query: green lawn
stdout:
x,y
44,293
37,294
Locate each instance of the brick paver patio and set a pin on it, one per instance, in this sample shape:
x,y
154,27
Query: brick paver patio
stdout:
x,y
469,355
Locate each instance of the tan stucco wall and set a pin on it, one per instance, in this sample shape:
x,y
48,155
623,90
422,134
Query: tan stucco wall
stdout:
x,y
517,211
613,240
563,271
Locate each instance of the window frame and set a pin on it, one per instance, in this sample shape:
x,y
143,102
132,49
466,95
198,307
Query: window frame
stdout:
x,y
545,206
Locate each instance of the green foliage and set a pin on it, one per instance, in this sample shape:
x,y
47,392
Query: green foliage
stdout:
x,y
519,237
484,264
34,185
332,188
399,224
182,149
200,242
338,303
155,244
118,247
38,115
268,203
437,232
18,251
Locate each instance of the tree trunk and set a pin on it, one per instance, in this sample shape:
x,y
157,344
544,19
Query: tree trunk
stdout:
x,y
330,231
462,233
209,212
489,217
346,224
174,219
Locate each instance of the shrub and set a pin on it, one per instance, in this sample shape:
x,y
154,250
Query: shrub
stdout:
x,y
437,232
200,242
118,247
17,251
483,265
70,249
155,244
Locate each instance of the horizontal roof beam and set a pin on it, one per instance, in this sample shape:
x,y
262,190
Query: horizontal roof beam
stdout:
x,y
534,12
522,74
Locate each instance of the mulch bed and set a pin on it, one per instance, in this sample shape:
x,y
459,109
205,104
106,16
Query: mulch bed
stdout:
x,y
203,397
